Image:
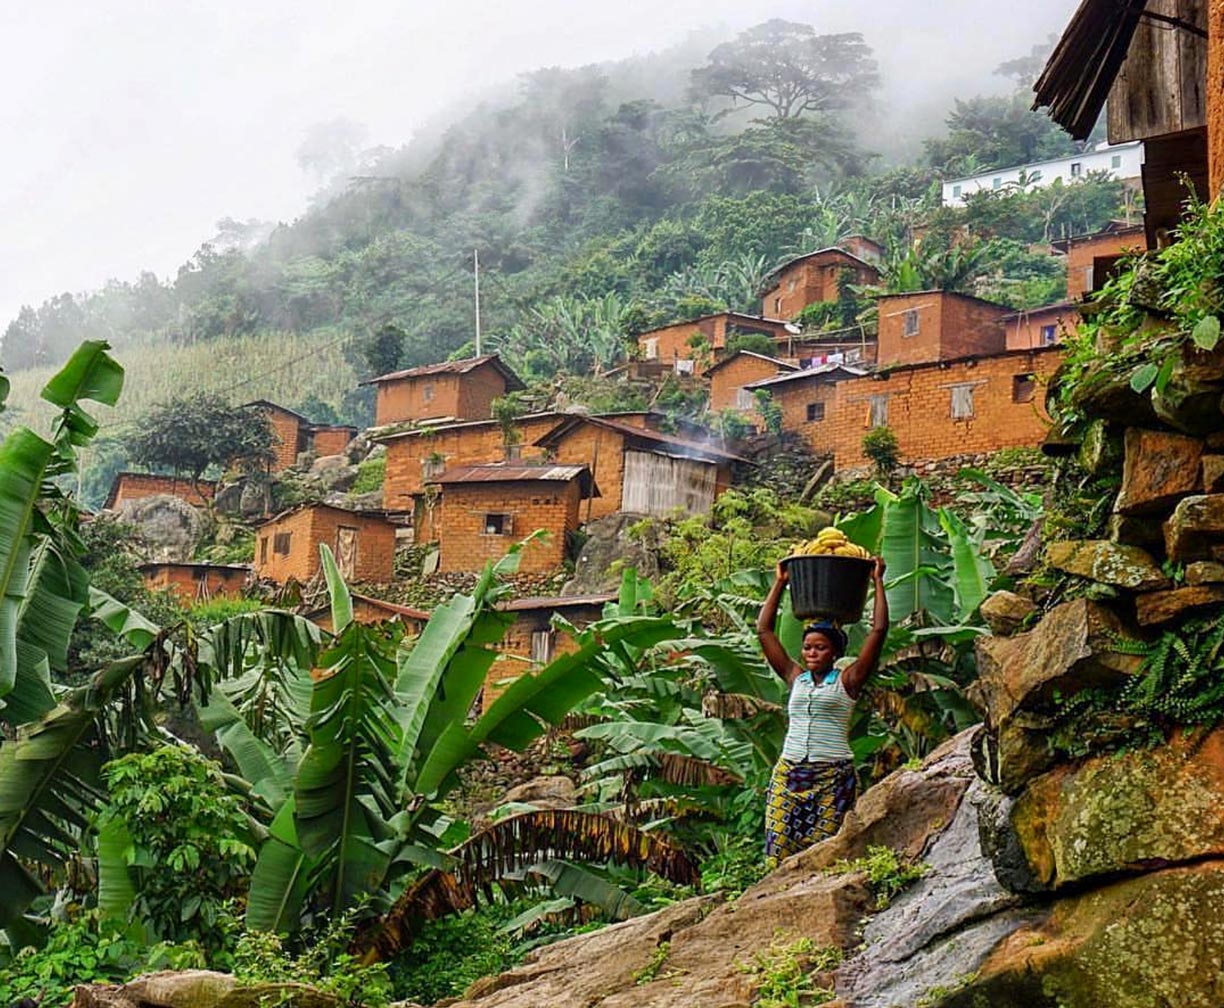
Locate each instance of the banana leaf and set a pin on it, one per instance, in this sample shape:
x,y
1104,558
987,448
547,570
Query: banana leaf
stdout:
x,y
337,590
280,879
972,572
917,559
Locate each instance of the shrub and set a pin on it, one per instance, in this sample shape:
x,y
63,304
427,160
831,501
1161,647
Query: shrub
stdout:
x,y
880,445
370,474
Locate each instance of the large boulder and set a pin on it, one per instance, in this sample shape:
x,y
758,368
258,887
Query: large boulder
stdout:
x,y
199,989
1159,468
167,528
1196,524
609,547
1107,563
1145,942
1071,649
1005,612
1124,811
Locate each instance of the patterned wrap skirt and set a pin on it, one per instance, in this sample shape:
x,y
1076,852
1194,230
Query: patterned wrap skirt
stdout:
x,y
805,804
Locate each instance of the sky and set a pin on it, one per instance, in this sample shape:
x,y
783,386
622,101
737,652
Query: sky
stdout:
x,y
130,127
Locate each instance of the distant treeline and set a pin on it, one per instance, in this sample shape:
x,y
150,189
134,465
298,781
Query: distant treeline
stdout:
x,y
596,216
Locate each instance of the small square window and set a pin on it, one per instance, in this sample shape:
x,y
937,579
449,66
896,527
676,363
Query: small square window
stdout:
x,y
1077,169
1115,161
263,549
996,182
497,524
281,543
1024,388
956,191
427,392
1049,335
433,465
815,411
744,399
777,306
910,319
962,402
650,348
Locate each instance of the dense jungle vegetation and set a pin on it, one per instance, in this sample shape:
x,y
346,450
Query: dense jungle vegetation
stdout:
x,y
236,787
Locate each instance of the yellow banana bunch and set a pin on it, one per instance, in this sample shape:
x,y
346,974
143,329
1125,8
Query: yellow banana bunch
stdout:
x,y
831,542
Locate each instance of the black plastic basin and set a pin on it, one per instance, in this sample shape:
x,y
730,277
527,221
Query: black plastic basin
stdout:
x,y
825,586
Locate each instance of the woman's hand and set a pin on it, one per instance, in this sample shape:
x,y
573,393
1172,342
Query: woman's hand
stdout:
x,y
878,572
780,574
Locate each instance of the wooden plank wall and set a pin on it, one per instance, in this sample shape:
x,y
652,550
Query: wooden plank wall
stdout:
x,y
1161,86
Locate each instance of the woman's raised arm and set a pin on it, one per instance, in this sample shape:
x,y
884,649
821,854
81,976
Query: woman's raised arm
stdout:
x,y
855,677
774,652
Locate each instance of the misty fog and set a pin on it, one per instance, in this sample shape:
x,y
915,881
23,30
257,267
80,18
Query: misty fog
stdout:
x,y
131,129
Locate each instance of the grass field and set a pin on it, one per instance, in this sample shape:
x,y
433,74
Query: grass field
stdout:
x,y
283,367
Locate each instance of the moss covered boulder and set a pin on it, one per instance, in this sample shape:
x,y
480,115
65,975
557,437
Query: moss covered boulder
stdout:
x,y
1154,941
1125,812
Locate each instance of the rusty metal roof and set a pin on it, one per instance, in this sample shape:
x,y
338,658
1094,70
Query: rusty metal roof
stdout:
x,y
680,446
504,472
827,371
554,602
780,364
457,367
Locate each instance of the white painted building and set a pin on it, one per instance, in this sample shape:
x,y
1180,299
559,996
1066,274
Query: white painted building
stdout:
x,y
1122,161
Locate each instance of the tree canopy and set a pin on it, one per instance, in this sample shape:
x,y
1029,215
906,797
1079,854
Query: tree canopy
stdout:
x,y
788,69
188,435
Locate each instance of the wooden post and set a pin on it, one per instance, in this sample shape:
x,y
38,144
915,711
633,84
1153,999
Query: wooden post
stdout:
x,y
1215,96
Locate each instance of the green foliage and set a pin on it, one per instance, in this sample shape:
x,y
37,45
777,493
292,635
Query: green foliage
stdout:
x,y
181,842
770,410
192,434
651,971
219,609
754,342
880,445
323,963
887,873
370,475
450,954
785,974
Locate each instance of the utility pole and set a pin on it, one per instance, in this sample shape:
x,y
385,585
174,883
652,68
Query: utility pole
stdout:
x,y
476,275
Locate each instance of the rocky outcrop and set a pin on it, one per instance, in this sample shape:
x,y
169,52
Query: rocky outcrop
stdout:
x,y
168,529
609,548
199,989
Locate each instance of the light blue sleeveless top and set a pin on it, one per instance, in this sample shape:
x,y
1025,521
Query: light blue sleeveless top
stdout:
x,y
819,728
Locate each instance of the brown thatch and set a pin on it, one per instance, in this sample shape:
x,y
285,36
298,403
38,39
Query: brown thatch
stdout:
x,y
510,846
1081,70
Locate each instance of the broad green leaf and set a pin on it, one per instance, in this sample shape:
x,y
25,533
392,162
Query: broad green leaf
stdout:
x,y
1142,377
973,573
116,890
337,590
1206,334
280,878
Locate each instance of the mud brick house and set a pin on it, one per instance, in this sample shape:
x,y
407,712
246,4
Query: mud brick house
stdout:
x,y
131,486
936,409
1093,258
932,325
367,609
294,434
729,376
639,470
451,390
485,508
532,640
287,545
1039,327
196,582
674,344
416,455
816,276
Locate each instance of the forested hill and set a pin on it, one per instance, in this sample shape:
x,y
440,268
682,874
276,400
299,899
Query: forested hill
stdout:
x,y
602,200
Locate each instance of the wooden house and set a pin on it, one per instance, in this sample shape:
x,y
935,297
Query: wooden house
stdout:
x,y
639,470
192,583
287,545
1093,258
933,325
691,347
532,640
729,376
451,390
485,508
131,486
293,434
815,277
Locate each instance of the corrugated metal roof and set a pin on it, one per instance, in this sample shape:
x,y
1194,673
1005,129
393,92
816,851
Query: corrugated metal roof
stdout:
x,y
498,472
784,365
683,448
194,565
821,370
554,602
453,367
